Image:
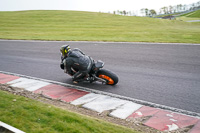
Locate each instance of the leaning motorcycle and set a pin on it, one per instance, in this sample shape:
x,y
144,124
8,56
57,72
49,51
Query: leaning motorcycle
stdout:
x,y
97,73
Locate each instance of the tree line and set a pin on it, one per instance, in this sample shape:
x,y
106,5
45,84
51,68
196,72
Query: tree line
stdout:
x,y
163,10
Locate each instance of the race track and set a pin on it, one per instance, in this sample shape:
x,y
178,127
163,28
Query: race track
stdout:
x,y
166,74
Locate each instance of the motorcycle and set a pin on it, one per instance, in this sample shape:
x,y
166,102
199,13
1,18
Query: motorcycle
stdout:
x,y
97,73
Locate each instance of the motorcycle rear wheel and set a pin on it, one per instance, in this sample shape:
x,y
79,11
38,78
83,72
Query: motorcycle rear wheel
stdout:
x,y
110,77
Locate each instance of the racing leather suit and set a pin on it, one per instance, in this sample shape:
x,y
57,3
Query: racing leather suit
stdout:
x,y
77,64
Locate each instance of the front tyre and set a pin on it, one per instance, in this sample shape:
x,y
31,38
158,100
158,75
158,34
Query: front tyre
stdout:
x,y
111,78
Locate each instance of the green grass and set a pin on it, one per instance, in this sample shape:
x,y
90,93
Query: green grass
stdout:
x,y
34,117
90,26
195,14
190,16
184,18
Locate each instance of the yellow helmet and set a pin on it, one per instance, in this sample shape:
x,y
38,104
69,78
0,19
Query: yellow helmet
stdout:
x,y
65,49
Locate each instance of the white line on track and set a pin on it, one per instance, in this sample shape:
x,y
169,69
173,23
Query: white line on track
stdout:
x,y
100,42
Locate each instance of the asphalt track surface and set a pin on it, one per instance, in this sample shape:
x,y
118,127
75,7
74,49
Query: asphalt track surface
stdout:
x,y
166,74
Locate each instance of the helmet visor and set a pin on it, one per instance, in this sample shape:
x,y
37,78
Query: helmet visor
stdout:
x,y
62,51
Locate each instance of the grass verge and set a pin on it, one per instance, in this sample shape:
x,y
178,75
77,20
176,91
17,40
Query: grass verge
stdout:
x,y
90,26
190,16
195,14
35,117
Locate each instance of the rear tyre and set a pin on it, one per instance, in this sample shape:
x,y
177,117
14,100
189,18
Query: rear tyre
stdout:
x,y
109,76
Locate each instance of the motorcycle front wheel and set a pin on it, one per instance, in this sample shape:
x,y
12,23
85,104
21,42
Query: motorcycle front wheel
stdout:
x,y
110,77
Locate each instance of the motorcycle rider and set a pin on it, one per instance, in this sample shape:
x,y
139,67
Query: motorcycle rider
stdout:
x,y
75,63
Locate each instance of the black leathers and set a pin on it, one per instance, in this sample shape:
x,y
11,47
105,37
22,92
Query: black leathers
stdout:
x,y
78,61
